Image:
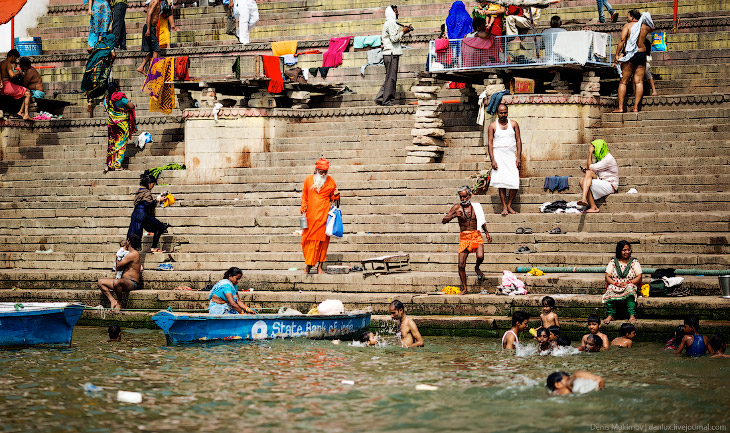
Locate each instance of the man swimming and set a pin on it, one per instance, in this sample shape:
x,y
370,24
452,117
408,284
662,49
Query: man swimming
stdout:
x,y
409,334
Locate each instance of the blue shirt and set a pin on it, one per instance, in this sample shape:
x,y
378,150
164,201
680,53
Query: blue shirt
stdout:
x,y
221,288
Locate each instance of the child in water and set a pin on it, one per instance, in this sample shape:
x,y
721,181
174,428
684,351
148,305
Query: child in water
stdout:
x,y
115,333
548,316
368,338
627,334
591,343
695,343
594,328
542,339
561,383
553,334
519,324
673,343
717,346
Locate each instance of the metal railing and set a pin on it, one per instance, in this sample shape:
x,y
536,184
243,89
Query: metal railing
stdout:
x,y
544,49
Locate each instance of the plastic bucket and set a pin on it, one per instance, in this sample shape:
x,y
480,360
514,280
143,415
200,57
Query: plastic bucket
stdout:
x,y
29,46
724,285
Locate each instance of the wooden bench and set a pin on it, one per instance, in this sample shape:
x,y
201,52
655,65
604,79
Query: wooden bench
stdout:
x,y
387,264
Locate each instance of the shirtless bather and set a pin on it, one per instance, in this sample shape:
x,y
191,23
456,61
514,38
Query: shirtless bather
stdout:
x,y
131,265
409,334
8,88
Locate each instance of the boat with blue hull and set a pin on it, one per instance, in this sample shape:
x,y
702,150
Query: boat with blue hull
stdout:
x,y
38,323
199,327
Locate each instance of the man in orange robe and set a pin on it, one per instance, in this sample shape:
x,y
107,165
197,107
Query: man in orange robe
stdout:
x,y
318,193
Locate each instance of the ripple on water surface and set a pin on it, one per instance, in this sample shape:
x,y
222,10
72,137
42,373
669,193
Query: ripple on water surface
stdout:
x,y
304,385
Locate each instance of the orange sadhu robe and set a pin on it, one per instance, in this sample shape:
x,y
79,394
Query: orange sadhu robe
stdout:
x,y
317,205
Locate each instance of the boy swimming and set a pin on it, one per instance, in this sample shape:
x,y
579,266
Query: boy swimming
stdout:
x,y
542,339
368,338
594,328
561,383
115,333
554,333
519,324
717,346
591,343
695,343
627,333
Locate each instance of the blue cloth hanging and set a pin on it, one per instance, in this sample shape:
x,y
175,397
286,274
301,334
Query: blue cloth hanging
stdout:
x,y
458,22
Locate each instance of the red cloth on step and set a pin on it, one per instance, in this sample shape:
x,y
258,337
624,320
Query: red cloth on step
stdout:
x,y
182,64
272,69
333,56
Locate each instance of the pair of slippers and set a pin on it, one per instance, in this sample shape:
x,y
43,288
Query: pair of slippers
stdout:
x,y
524,250
523,231
556,231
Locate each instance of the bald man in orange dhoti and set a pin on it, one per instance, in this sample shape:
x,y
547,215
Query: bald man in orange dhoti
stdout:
x,y
318,193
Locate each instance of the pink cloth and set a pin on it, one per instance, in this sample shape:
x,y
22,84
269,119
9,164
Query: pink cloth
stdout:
x,y
508,278
333,56
441,44
13,90
478,52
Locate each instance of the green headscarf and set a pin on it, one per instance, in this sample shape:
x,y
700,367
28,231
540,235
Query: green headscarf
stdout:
x,y
600,149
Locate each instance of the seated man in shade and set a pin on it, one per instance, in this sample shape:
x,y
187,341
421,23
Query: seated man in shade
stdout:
x,y
8,88
31,78
601,177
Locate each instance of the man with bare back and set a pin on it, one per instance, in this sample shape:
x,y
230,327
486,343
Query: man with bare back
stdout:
x,y
131,267
471,220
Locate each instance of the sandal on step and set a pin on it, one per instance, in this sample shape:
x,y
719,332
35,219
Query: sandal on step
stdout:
x,y
522,250
519,231
555,231
528,231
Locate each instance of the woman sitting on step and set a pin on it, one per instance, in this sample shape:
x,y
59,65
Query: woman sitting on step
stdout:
x,y
623,276
224,295
143,215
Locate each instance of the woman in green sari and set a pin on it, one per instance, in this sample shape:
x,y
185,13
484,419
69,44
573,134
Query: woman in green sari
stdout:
x,y
623,274
121,123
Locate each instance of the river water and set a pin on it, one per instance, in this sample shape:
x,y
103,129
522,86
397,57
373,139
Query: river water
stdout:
x,y
297,386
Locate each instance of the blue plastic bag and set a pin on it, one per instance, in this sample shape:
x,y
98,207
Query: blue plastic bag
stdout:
x,y
659,41
334,223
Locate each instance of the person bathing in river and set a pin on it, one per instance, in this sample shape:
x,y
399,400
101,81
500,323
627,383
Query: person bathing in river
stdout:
x,y
131,267
223,296
520,321
561,383
409,334
471,221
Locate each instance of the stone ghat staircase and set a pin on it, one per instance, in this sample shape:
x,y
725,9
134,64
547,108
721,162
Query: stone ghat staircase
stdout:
x,y
690,63
679,218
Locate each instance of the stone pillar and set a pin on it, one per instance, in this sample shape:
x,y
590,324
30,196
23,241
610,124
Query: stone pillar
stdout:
x,y
560,85
591,85
493,84
428,133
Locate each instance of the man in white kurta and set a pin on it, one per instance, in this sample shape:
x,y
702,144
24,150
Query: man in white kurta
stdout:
x,y
505,152
247,14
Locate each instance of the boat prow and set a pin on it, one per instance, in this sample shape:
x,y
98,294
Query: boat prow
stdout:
x,y
197,327
38,323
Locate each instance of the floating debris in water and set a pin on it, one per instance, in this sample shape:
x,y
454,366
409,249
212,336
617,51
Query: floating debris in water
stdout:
x,y
424,387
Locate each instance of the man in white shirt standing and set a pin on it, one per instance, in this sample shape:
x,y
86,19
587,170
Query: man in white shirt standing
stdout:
x,y
601,177
391,36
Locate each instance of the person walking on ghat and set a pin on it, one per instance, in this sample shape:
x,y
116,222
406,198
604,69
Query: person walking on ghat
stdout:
x,y
471,220
318,193
505,152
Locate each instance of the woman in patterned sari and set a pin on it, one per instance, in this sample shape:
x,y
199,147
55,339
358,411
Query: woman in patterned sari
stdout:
x,y
121,122
101,16
623,274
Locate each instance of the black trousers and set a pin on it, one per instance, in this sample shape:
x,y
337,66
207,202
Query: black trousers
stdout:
x,y
119,11
387,91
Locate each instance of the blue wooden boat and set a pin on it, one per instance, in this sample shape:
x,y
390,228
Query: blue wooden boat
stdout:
x,y
38,323
197,327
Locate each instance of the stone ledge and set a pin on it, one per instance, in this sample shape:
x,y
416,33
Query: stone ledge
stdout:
x,y
298,113
96,121
716,98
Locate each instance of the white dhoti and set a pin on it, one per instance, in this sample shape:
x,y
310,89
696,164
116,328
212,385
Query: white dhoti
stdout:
x,y
247,14
504,148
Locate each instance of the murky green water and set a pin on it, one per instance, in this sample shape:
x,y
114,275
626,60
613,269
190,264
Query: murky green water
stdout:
x,y
296,386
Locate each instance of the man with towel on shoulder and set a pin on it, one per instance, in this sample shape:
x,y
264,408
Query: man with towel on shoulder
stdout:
x,y
632,50
471,219
318,193
505,152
